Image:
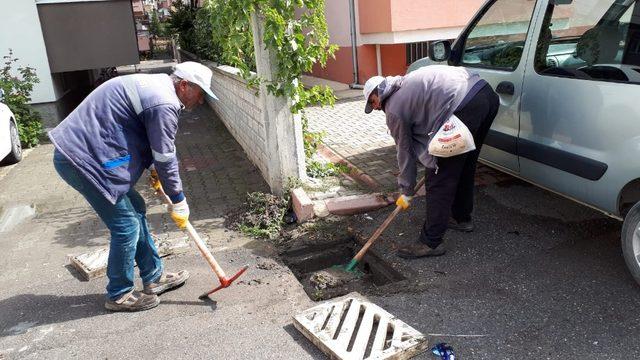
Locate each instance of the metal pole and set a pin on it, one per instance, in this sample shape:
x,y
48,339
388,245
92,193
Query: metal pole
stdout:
x,y
378,60
354,45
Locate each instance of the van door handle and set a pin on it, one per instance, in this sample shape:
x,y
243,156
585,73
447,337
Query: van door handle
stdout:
x,y
506,87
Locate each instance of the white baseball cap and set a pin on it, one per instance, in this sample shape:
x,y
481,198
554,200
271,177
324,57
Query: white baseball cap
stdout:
x,y
196,73
369,86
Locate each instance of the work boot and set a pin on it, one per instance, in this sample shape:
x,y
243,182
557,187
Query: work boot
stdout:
x,y
166,282
418,250
133,301
462,226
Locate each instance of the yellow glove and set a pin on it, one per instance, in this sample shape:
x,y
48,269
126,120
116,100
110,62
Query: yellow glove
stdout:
x,y
180,213
404,201
154,180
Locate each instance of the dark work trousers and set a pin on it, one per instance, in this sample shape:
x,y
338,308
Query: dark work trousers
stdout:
x,y
450,187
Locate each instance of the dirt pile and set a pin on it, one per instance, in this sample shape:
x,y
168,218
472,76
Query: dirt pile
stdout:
x,y
262,215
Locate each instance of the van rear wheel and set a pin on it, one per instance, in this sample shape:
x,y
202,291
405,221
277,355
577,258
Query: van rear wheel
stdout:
x,y
631,241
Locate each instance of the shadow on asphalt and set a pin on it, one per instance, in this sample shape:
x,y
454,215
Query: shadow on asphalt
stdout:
x,y
72,270
205,302
304,343
87,230
24,311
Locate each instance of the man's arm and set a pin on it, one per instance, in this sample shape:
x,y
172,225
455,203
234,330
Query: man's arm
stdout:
x,y
161,123
402,132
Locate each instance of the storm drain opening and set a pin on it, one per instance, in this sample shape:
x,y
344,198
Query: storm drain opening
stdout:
x,y
306,262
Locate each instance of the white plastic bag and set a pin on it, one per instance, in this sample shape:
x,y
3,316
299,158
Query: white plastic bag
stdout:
x,y
453,138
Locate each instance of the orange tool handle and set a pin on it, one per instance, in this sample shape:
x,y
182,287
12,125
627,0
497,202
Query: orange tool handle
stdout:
x,y
198,240
383,227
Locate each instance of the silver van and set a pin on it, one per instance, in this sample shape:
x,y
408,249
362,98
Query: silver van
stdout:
x,y
568,76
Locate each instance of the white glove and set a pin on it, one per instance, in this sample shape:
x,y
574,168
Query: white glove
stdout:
x,y
180,213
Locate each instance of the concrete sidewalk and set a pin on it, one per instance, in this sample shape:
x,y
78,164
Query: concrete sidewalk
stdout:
x,y
46,312
364,140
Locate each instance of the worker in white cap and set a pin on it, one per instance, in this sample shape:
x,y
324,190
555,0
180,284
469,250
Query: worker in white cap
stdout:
x,y
416,106
127,125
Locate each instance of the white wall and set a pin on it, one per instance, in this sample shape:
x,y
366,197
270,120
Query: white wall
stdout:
x,y
239,109
338,22
20,30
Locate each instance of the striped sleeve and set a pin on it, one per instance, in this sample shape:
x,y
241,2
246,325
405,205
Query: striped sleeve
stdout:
x,y
161,123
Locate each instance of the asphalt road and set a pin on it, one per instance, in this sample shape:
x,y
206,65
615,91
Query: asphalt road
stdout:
x,y
541,277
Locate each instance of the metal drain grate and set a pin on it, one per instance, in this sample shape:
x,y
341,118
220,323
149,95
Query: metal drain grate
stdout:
x,y
353,328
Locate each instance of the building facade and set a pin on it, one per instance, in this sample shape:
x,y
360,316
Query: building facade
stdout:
x,y
390,34
67,47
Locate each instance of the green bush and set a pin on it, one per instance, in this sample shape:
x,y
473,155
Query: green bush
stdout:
x,y
318,170
181,23
195,27
232,34
203,44
312,140
157,27
17,95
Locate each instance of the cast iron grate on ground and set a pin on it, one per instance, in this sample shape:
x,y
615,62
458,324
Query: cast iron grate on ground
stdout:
x,y
355,329
305,261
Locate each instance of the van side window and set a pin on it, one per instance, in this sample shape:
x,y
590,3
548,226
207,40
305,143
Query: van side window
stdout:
x,y
497,40
591,39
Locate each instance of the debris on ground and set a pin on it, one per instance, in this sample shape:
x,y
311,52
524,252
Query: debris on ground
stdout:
x,y
444,351
332,277
290,217
266,265
250,282
262,215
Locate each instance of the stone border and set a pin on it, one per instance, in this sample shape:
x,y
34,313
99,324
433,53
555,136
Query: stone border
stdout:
x,y
344,205
355,173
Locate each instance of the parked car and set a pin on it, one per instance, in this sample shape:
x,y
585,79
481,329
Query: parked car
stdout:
x,y
10,148
567,73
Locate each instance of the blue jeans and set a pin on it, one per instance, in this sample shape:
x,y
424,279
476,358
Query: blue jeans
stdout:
x,y
127,222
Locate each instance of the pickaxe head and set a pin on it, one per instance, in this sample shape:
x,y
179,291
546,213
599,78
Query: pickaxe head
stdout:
x,y
225,282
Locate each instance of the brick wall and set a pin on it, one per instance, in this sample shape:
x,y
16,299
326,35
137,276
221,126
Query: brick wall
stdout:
x,y
263,125
239,109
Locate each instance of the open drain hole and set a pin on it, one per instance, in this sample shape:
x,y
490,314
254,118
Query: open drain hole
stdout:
x,y
306,261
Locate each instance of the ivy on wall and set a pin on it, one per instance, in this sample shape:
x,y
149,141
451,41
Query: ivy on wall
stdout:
x,y
295,31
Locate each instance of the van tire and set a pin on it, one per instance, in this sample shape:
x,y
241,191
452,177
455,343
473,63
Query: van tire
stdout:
x,y
631,241
16,149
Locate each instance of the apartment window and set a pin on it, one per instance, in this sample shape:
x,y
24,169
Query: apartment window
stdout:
x,y
416,51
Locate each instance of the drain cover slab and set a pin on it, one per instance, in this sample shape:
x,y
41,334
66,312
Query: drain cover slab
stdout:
x,y
353,328
94,264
